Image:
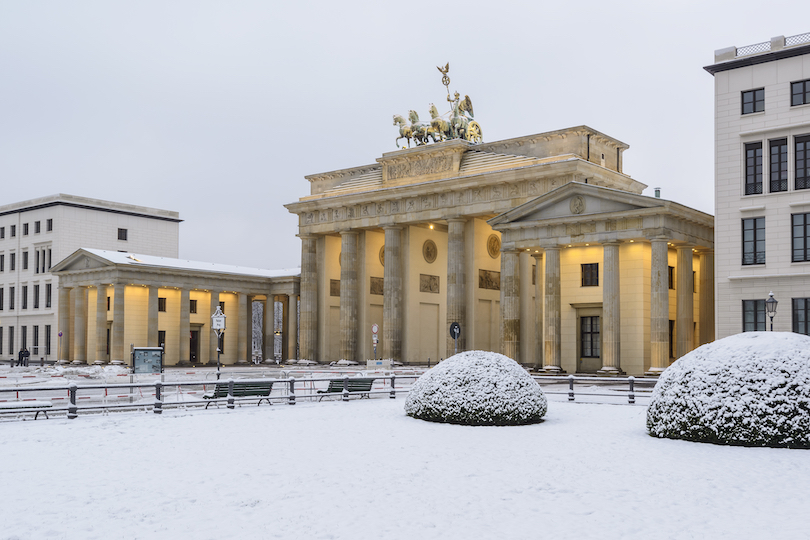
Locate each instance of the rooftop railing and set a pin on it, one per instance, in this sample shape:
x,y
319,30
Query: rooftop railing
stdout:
x,y
774,44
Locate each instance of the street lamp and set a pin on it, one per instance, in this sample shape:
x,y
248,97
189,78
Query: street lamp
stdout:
x,y
218,326
770,306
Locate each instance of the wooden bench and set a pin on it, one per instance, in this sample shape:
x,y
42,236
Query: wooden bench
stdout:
x,y
30,405
242,389
353,385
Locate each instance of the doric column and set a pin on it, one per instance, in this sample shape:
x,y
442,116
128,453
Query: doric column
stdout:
x,y
79,325
239,329
248,329
185,327
348,295
552,357
309,298
538,311
392,295
291,327
611,310
101,325
64,325
268,333
659,307
525,291
685,321
152,317
706,296
213,339
456,284
285,316
510,305
118,349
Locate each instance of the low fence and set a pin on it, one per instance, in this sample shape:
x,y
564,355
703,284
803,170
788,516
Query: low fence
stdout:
x,y
73,399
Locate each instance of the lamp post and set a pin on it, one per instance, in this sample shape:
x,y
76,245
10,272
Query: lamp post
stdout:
x,y
770,306
218,326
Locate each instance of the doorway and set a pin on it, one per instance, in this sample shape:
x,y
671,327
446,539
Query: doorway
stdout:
x,y
194,349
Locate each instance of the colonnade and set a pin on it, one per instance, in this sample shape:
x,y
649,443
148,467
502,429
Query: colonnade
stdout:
x,y
74,314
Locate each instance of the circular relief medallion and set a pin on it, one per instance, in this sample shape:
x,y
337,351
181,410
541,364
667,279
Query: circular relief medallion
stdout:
x,y
577,205
494,246
430,251
382,255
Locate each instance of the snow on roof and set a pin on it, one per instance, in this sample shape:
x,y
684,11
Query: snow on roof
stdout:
x,y
133,259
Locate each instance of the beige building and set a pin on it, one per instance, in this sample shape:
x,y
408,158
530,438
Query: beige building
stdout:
x,y
38,233
539,247
109,301
762,184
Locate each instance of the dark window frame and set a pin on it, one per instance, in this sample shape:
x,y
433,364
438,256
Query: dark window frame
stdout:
x,y
590,337
800,93
753,168
800,237
801,162
25,229
122,234
752,101
161,304
48,294
751,252
757,312
671,278
192,306
590,275
24,295
36,296
37,227
800,309
11,298
778,171
25,260
13,231
48,225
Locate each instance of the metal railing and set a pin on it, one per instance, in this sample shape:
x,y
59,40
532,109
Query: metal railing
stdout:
x,y
613,386
797,39
765,46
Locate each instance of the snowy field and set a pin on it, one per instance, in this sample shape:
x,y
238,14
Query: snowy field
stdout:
x,y
365,470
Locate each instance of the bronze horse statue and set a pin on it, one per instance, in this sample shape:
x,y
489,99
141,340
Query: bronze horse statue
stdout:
x,y
405,131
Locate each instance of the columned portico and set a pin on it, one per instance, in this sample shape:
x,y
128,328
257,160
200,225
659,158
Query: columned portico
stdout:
x,y
684,325
611,311
659,306
392,294
456,284
552,357
348,295
309,298
79,325
510,304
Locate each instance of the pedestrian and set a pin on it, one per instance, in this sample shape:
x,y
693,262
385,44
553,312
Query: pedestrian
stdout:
x,y
20,358
26,354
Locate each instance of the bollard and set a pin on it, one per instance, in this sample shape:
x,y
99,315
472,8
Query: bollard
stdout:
x,y
73,411
570,388
345,388
42,362
158,403
631,396
393,392
428,362
291,400
230,393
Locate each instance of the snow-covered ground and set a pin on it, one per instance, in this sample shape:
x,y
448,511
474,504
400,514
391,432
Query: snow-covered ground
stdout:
x,y
364,470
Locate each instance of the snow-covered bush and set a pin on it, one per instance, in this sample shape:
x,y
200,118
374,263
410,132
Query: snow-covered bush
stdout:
x,y
477,388
752,389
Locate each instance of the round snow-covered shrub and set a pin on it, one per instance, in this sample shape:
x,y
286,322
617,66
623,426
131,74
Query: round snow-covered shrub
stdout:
x,y
752,389
477,388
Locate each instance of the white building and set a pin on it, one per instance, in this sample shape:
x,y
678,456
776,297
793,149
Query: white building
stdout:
x,y
762,184
38,233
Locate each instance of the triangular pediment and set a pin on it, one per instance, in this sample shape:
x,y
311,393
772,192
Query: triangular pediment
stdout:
x,y
576,200
81,260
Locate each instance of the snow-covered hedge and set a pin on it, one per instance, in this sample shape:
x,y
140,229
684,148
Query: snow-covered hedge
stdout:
x,y
752,389
477,388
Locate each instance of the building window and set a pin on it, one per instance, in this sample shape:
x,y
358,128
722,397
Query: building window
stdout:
x,y
47,339
36,296
11,298
800,93
25,260
753,168
801,316
779,168
24,297
2,232
222,306
48,291
24,337
49,225
35,328
192,306
2,262
108,303
753,237
801,237
753,101
25,229
122,234
12,261
590,275
10,340
671,276
36,268
803,162
754,315
49,258
1,300
37,227
161,338
13,231
694,281
162,304
590,340
1,340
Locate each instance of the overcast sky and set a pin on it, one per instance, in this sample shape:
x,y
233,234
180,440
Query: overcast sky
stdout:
x,y
219,109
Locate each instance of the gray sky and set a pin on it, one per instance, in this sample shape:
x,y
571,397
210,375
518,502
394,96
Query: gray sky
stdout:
x,y
218,109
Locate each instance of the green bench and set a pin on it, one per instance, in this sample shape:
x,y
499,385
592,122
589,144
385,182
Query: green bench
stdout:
x,y
242,389
353,385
